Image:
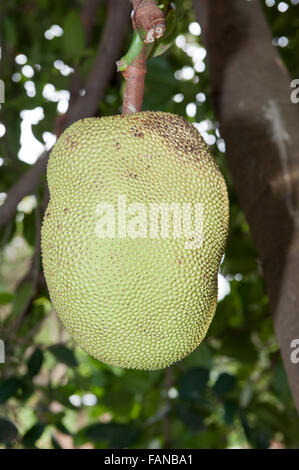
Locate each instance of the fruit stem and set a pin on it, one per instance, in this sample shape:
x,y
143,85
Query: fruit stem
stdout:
x,y
135,79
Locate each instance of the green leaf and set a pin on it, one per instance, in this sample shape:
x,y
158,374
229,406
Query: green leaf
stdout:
x,y
73,37
37,313
225,383
201,357
161,84
193,383
27,390
8,431
5,298
35,362
61,427
29,230
115,434
10,31
33,434
53,418
98,379
240,347
55,443
230,410
191,417
64,355
280,382
9,388
259,439
21,298
62,394
136,381
111,400
163,44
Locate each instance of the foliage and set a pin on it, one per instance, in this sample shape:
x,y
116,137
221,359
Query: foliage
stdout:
x,y
232,391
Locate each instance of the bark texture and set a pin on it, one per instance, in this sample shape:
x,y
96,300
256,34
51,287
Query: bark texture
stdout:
x,y
251,99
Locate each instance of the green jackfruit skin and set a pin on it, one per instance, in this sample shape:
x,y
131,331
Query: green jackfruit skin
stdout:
x,y
141,303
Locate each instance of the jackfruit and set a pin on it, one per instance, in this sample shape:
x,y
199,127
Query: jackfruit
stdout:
x,y
133,236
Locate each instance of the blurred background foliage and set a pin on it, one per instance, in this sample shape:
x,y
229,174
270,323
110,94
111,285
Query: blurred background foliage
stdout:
x,y
232,391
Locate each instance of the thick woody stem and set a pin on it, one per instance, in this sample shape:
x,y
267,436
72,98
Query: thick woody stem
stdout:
x,y
148,20
135,79
148,17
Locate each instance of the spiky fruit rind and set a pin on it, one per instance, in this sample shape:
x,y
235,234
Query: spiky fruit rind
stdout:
x,y
141,303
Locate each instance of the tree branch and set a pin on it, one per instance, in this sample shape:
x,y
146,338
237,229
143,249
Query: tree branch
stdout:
x,y
27,184
251,99
88,14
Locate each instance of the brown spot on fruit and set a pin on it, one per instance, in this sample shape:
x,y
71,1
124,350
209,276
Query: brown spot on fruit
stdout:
x,y
162,123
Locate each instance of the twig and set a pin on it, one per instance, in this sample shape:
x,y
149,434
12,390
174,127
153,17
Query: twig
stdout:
x,y
135,77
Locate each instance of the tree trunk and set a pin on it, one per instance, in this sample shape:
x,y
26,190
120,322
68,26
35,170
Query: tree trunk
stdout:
x,y
251,99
